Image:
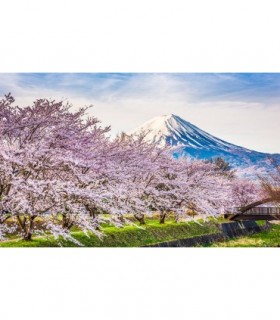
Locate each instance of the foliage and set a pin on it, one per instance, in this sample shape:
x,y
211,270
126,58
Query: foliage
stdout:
x,y
271,184
60,166
129,236
223,166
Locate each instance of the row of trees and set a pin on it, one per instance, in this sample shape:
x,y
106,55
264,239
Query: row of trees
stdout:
x,y
60,168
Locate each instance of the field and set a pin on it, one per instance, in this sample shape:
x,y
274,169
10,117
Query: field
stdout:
x,y
269,238
128,236
152,232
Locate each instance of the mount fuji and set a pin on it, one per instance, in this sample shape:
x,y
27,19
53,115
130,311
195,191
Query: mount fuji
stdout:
x,y
188,140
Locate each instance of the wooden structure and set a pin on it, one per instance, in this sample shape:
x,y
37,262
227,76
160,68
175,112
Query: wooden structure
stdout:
x,y
254,212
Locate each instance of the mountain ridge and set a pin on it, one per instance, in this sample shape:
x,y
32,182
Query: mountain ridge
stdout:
x,y
189,140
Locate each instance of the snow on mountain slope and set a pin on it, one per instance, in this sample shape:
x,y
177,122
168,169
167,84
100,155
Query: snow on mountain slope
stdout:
x,y
173,130
188,139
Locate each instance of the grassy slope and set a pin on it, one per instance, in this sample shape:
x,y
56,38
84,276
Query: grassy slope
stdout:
x,y
269,238
129,236
153,232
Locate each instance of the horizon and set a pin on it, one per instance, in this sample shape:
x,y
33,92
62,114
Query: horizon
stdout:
x,y
240,108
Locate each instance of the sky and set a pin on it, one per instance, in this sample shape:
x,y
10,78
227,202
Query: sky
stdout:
x,y
241,108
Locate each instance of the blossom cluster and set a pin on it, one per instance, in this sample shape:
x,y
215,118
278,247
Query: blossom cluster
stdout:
x,y
59,168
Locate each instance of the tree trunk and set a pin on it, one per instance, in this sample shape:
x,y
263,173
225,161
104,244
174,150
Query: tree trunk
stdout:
x,y
27,226
94,214
121,219
66,221
162,216
140,218
177,218
27,236
95,220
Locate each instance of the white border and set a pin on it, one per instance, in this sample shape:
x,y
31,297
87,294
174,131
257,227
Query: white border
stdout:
x,y
139,283
139,36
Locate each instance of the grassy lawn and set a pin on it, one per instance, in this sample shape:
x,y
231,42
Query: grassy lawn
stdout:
x,y
153,232
269,238
128,236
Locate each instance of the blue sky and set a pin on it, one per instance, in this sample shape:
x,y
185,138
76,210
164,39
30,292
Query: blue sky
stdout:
x,y
241,108
245,86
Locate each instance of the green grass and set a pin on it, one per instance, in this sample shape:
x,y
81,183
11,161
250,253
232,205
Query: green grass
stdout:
x,y
269,238
153,232
128,236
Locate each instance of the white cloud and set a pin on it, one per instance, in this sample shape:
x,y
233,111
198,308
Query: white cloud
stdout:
x,y
126,105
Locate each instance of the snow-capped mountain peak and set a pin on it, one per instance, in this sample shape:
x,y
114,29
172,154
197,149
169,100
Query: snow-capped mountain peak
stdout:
x,y
173,130
189,140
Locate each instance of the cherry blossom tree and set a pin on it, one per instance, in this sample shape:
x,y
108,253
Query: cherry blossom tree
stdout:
x,y
245,191
46,151
60,169
270,184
